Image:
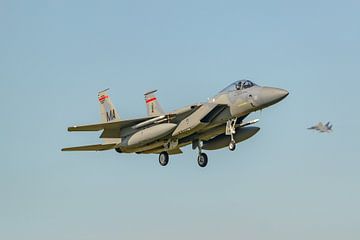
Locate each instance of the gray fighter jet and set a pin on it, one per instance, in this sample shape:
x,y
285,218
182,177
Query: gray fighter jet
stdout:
x,y
211,125
322,128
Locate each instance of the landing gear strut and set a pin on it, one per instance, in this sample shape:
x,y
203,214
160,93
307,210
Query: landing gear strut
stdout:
x,y
231,130
164,159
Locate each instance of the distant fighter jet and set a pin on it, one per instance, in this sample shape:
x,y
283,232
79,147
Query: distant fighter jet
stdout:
x,y
211,125
322,128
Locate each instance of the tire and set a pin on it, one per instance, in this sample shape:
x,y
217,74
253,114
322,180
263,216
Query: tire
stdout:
x,y
202,160
164,159
232,146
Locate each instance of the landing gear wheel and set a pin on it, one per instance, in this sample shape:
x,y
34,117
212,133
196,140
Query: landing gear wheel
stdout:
x,y
202,160
164,158
232,146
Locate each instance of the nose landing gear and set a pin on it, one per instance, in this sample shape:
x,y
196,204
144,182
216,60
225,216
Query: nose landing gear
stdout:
x,y
231,130
232,145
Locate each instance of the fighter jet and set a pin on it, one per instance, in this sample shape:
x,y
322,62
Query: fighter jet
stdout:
x,y
211,125
322,128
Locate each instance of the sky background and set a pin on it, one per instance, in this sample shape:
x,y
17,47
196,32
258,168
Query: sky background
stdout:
x,y
284,183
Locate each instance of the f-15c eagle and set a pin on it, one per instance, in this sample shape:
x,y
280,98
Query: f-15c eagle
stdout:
x,y
211,125
322,128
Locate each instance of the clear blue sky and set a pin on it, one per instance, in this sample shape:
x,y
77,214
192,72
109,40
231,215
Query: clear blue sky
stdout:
x,y
284,183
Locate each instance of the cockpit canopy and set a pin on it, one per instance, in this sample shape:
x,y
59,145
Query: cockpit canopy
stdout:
x,y
239,85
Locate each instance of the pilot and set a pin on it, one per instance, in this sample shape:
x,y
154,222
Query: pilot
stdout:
x,y
238,86
247,84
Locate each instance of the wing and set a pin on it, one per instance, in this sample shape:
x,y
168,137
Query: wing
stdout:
x,y
213,111
102,126
97,147
203,115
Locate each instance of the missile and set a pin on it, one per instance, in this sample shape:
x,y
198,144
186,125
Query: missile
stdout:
x,y
149,122
248,123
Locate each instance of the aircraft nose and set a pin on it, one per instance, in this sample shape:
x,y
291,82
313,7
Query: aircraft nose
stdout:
x,y
270,95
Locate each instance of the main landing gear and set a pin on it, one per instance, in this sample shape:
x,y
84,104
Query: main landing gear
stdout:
x,y
231,130
164,159
202,158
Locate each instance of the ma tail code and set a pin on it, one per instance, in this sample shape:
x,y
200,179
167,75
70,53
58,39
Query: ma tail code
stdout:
x,y
110,115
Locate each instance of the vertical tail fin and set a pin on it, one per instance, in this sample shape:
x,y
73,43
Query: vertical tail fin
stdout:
x,y
152,105
108,112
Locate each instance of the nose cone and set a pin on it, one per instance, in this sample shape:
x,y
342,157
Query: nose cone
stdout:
x,y
270,96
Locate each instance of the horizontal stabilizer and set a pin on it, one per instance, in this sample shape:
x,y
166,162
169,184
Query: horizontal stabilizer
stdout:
x,y
93,127
108,125
97,147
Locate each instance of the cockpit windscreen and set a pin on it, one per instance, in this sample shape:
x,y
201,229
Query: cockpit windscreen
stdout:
x,y
239,85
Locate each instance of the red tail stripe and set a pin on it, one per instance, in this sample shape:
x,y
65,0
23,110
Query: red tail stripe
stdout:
x,y
102,98
151,100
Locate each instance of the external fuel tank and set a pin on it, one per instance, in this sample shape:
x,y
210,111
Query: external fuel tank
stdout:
x,y
223,140
147,135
